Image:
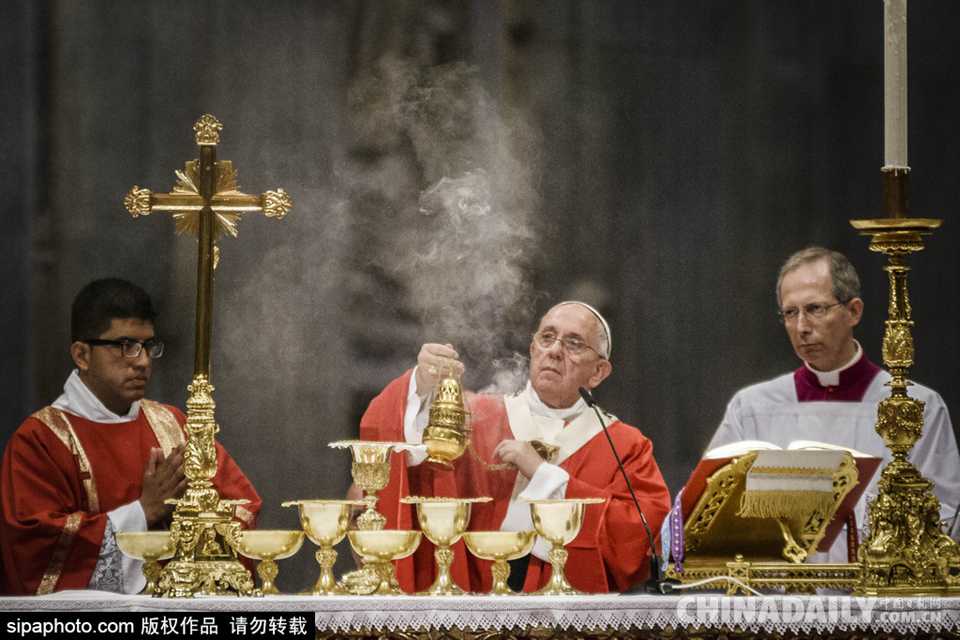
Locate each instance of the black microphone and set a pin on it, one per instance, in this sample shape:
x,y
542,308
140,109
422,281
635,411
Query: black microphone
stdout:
x,y
658,582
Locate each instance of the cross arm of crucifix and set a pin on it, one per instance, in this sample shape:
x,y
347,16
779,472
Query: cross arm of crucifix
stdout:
x,y
227,202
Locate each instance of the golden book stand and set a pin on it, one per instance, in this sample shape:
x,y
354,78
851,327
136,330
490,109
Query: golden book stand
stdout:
x,y
727,535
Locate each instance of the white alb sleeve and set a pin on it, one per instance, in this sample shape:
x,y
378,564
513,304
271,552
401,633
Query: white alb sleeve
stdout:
x,y
114,571
415,421
549,482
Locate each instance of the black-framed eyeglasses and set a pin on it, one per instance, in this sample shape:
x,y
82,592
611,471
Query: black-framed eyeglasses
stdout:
x,y
813,310
572,346
130,348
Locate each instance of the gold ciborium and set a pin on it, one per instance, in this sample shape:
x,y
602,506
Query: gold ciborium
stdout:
x,y
325,523
500,546
443,521
371,472
383,547
268,546
559,522
149,546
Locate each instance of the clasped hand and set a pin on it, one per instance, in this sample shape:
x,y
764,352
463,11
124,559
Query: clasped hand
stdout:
x,y
163,478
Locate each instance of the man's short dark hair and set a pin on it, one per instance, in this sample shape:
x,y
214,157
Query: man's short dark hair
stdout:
x,y
845,285
98,303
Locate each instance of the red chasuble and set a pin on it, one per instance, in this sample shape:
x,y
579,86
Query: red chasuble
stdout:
x,y
61,475
611,553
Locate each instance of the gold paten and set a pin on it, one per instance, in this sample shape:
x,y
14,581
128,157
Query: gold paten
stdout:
x,y
149,546
500,546
207,203
268,546
559,522
384,547
443,521
326,523
906,552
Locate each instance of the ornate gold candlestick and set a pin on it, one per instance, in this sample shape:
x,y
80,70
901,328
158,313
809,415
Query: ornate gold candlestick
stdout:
x,y
206,202
149,546
326,523
906,552
559,522
443,521
500,546
268,546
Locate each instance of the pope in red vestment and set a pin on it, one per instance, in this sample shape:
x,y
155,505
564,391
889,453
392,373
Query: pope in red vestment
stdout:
x,y
611,552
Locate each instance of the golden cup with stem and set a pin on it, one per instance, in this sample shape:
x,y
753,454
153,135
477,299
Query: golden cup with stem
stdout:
x,y
382,548
268,546
559,522
371,472
149,546
325,523
500,546
443,521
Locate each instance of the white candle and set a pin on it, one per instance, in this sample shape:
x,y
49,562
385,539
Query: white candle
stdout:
x,y
895,82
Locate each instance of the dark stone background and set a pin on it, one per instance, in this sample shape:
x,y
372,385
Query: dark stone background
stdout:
x,y
658,158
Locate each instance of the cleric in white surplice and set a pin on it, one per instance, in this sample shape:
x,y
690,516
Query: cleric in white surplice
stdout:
x,y
833,396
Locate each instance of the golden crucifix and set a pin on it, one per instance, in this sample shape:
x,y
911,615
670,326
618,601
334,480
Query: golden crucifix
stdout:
x,y
207,203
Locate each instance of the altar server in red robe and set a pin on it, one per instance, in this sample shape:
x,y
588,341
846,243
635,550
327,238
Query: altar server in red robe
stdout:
x,y
569,350
101,459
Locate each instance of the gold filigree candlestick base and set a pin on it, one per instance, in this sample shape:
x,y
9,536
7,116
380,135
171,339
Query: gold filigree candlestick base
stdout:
x,y
443,521
559,522
906,552
206,561
204,531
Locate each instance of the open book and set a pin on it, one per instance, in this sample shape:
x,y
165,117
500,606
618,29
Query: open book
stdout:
x,y
715,459
734,449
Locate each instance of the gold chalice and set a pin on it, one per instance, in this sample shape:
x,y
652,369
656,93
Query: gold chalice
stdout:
x,y
371,472
559,522
500,546
383,547
325,523
268,546
149,546
443,521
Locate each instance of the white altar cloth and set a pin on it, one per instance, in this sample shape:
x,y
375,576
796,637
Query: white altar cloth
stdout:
x,y
796,614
